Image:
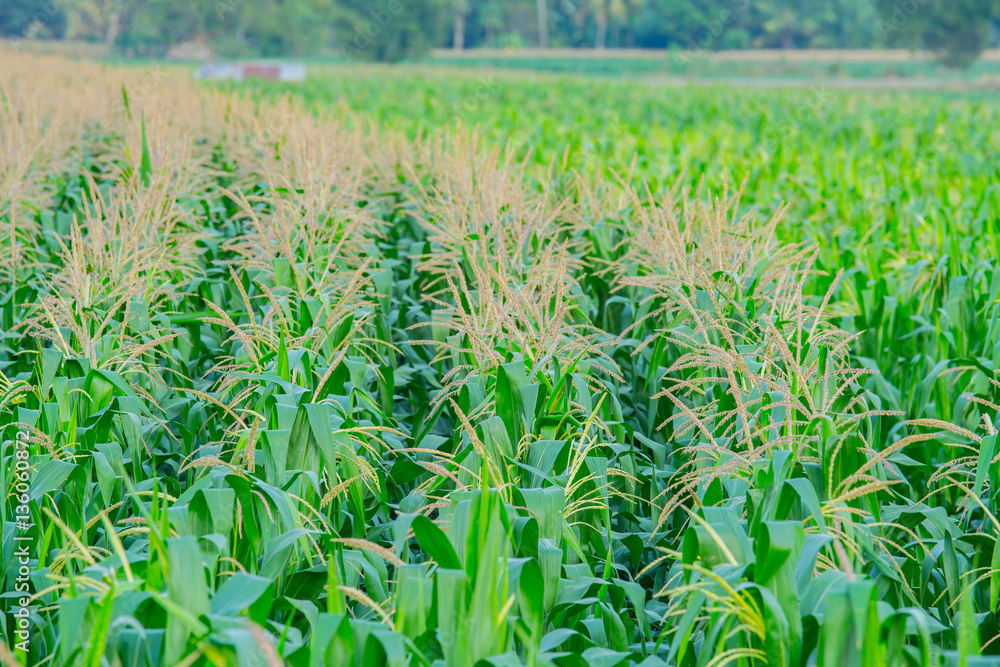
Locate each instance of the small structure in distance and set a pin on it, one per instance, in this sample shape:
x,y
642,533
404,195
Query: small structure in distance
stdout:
x,y
242,71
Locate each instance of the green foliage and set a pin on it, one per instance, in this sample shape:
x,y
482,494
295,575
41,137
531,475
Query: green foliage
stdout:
x,y
388,401
231,27
391,30
283,28
32,18
394,30
958,30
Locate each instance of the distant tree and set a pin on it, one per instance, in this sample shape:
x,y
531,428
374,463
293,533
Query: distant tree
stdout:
x,y
229,27
287,27
391,30
150,27
855,25
780,21
20,18
957,30
789,24
491,18
725,24
461,12
603,12
542,9
679,25
92,20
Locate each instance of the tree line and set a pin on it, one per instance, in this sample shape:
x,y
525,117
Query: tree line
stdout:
x,y
395,30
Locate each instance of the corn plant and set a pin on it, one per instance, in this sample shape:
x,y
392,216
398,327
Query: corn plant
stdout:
x,y
290,385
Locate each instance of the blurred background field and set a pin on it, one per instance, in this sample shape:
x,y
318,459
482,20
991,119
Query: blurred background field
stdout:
x,y
851,163
775,67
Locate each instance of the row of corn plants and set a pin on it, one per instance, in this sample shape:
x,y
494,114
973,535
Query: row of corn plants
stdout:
x,y
282,388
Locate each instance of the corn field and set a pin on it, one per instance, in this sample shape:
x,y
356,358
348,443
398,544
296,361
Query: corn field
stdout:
x,y
290,383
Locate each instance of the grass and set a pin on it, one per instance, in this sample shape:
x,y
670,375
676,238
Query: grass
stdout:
x,y
332,378
722,65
